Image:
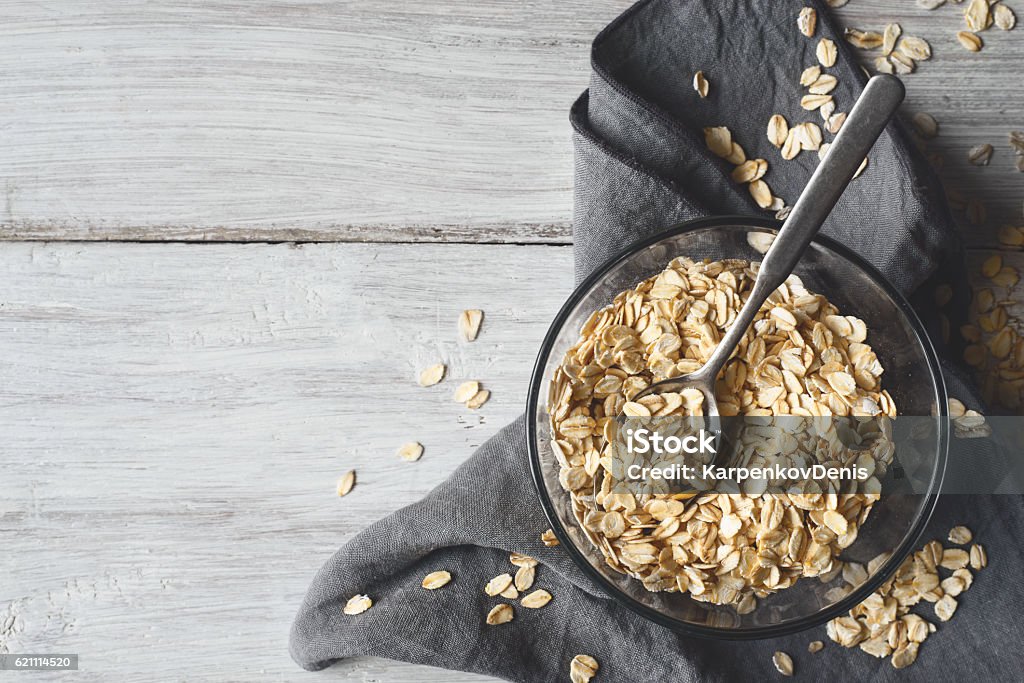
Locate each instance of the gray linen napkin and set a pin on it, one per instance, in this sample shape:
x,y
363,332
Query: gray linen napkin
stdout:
x,y
641,165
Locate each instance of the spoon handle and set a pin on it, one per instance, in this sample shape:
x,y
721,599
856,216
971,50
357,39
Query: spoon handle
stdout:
x,y
872,111
865,123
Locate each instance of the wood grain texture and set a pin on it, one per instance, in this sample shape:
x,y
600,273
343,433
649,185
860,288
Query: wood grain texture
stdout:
x,y
320,120
291,120
175,417
971,95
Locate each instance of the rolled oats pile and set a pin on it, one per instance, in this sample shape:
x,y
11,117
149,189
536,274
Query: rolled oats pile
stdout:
x,y
800,357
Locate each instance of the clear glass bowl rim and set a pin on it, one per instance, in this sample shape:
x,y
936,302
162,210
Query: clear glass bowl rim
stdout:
x,y
910,539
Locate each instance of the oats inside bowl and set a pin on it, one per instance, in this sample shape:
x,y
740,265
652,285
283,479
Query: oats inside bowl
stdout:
x,y
734,542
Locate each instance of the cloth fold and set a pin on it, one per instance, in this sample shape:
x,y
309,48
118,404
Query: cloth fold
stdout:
x,y
640,166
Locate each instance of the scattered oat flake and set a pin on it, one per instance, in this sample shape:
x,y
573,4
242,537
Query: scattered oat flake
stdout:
x,y
1016,138
1006,277
980,155
469,323
432,375
815,646
945,607
1011,236
915,48
952,585
977,15
500,614
700,84
905,656
883,65
877,646
777,130
992,265
979,558
347,481
956,409
524,578
1003,17
549,539
835,122
358,604
435,580
522,560
536,599
791,147
969,40
498,584
826,52
761,193
411,452
510,593
960,535
866,40
466,391
737,155
478,399
783,663
749,170
719,140
901,63
826,110
809,75
582,668
954,558
889,36
760,242
808,135
925,125
807,21
824,84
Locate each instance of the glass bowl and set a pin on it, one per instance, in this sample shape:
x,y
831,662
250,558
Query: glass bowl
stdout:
x,y
911,376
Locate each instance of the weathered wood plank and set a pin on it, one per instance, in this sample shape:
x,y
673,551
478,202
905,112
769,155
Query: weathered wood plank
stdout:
x,y
364,121
294,120
174,419
972,97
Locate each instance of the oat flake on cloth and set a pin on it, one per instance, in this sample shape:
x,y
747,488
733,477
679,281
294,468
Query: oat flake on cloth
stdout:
x,y
641,165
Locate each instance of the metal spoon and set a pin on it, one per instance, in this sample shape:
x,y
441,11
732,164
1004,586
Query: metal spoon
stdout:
x,y
877,104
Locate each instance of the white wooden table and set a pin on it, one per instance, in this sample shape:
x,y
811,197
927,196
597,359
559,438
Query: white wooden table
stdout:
x,y
213,300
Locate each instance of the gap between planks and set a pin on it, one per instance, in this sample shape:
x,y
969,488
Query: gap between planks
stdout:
x,y
383,240
556,233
